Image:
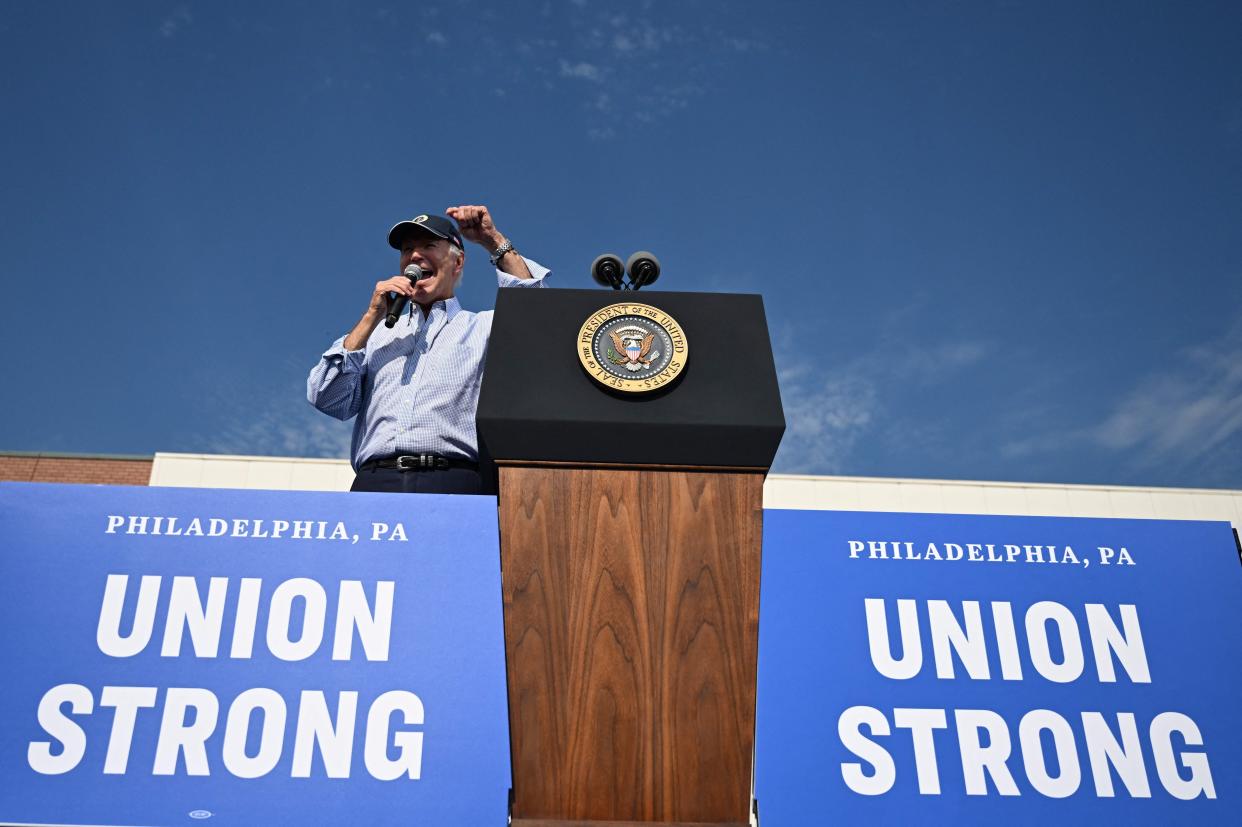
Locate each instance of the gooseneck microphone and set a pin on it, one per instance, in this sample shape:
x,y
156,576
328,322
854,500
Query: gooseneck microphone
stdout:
x,y
644,269
607,270
398,301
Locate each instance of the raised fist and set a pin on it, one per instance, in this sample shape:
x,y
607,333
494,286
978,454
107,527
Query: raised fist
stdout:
x,y
476,225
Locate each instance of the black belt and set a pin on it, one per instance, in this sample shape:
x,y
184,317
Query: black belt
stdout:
x,y
418,462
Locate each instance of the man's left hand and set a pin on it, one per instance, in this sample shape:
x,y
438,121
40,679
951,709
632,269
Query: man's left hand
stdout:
x,y
476,225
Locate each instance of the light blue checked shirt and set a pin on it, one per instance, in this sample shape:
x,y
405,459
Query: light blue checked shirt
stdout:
x,y
415,386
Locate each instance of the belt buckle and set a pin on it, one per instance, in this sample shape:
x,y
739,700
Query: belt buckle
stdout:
x,y
422,462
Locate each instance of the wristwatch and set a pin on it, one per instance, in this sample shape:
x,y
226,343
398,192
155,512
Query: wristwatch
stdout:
x,y
501,252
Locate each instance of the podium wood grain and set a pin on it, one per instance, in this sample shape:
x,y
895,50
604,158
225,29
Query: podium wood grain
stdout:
x,y
631,604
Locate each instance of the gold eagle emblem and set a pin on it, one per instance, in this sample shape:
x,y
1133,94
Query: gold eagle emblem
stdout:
x,y
632,348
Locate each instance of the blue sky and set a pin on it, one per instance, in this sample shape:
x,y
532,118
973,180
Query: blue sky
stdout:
x,y
994,240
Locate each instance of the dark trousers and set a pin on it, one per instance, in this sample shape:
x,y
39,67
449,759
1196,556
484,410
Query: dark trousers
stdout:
x,y
448,481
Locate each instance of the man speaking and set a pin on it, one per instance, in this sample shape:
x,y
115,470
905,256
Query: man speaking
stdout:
x,y
413,382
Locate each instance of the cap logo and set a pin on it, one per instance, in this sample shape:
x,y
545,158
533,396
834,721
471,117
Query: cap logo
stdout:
x,y
420,219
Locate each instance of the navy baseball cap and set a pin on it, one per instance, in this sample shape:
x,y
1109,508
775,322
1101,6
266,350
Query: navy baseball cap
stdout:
x,y
436,225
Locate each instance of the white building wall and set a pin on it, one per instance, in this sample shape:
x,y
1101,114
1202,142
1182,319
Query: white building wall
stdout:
x,y
780,490
271,473
1026,499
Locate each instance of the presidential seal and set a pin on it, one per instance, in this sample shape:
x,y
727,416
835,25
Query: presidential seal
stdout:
x,y
633,348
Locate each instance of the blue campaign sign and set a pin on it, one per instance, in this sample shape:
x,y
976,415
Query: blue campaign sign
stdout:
x,y
177,656
1000,670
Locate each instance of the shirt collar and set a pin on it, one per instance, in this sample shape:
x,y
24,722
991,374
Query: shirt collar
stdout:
x,y
442,312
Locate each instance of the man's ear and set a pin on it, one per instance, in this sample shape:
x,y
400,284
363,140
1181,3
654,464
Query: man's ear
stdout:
x,y
460,268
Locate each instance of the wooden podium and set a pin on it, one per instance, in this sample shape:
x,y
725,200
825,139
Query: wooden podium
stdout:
x,y
631,531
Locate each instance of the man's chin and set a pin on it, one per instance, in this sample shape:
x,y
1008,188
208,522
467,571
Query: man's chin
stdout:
x,y
425,297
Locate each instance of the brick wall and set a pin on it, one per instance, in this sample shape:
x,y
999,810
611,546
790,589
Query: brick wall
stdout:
x,y
83,469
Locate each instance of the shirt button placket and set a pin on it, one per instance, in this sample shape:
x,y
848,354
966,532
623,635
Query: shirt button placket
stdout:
x,y
420,367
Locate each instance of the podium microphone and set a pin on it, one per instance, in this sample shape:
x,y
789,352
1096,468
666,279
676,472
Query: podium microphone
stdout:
x,y
644,269
398,301
607,270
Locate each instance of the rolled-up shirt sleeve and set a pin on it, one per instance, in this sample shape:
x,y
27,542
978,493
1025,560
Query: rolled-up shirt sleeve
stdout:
x,y
335,384
538,273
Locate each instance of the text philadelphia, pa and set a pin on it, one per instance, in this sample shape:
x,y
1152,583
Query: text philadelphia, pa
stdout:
x,y
257,529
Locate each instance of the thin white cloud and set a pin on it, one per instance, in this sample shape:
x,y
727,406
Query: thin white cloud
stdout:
x,y
284,428
824,417
651,69
174,22
585,71
743,44
277,422
1180,414
1181,422
436,38
936,361
830,409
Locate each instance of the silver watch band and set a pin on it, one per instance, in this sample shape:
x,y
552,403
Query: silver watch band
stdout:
x,y
500,253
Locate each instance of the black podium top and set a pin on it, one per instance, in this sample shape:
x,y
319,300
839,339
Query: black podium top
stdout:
x,y
538,402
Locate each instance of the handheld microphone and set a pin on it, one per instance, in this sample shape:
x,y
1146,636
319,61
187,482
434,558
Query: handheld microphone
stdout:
x,y
398,301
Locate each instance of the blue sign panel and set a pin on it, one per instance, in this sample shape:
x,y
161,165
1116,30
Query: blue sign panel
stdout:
x,y
999,670
178,656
